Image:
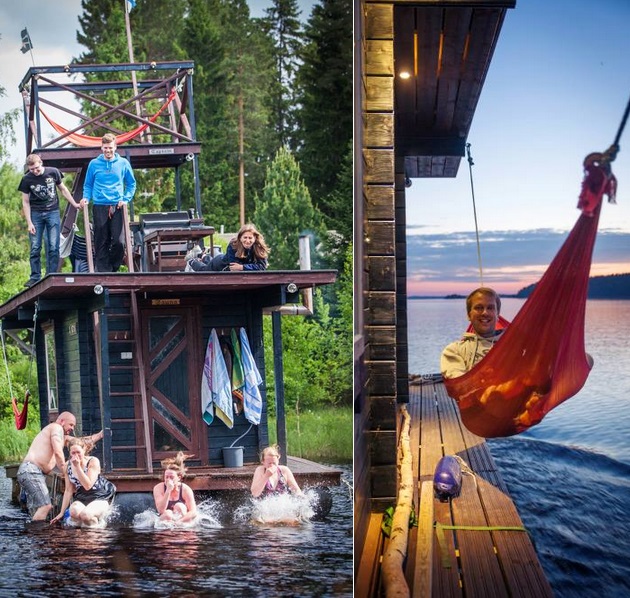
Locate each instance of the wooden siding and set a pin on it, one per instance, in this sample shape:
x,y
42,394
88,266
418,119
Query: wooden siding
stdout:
x,y
378,433
239,313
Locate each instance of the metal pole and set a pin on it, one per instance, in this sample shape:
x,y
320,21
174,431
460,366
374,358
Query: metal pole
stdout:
x,y
134,81
278,368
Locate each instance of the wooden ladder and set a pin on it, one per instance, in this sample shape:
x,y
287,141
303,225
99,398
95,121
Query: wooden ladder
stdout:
x,y
133,340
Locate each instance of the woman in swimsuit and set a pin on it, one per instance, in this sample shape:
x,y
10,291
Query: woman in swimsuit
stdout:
x,y
272,478
86,491
174,500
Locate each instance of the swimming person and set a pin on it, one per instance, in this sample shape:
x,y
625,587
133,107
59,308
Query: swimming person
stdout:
x,y
174,500
271,478
86,491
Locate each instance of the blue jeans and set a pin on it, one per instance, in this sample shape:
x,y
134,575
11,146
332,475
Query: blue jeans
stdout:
x,y
49,223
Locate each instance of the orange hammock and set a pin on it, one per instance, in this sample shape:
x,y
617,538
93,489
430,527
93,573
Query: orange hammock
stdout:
x,y
21,416
540,360
91,141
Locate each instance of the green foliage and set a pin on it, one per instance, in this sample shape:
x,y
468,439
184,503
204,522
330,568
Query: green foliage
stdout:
x,y
285,211
14,249
14,444
317,357
7,126
325,93
283,26
321,434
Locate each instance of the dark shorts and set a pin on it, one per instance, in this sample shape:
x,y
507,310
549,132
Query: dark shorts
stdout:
x,y
33,482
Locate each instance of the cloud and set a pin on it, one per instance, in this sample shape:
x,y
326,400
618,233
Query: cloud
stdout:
x,y
439,264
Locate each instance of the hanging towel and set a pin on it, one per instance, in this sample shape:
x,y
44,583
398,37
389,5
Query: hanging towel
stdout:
x,y
216,390
238,377
252,400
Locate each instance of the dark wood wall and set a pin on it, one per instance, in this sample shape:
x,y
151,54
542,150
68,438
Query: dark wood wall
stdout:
x,y
224,315
77,373
384,274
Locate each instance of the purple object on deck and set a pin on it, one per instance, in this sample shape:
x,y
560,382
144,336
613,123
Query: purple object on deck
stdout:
x,y
447,479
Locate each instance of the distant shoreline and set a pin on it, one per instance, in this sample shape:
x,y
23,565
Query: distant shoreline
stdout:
x,y
613,287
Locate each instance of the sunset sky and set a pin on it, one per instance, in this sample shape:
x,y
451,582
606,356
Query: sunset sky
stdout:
x,y
556,90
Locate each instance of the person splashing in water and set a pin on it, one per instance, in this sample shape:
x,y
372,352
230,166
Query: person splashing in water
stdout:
x,y
271,478
174,500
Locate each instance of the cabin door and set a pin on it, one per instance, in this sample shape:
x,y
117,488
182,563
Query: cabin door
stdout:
x,y
173,382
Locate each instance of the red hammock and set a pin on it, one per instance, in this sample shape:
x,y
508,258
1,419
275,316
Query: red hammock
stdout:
x,y
21,417
91,141
540,360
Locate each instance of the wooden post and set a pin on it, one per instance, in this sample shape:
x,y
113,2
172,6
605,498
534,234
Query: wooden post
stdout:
x,y
278,369
104,388
394,557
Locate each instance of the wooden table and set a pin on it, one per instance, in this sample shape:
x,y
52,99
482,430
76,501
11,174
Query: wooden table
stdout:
x,y
160,237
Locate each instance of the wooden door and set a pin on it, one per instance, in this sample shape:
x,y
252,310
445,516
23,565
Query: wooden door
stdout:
x,y
173,377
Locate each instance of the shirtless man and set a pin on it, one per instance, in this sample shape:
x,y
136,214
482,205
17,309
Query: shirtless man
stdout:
x,y
45,452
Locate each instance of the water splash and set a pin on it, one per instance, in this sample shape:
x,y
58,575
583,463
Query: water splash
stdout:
x,y
206,518
283,509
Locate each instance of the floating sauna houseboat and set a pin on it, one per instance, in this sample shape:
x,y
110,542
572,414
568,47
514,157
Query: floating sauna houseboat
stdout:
x,y
125,352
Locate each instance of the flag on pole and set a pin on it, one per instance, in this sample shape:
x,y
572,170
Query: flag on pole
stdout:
x,y
130,5
27,45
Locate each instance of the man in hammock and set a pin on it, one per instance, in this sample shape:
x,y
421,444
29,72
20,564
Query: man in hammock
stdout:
x,y
483,306
109,184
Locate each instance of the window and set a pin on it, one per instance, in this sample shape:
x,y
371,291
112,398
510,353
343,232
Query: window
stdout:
x,y
51,366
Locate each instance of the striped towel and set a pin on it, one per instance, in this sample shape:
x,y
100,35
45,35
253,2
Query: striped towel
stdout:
x,y
216,387
252,400
238,377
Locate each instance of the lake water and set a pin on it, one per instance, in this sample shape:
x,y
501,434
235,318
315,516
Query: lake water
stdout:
x,y
570,475
229,555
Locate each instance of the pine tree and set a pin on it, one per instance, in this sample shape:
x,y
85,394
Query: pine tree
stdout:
x,y
325,94
285,29
285,211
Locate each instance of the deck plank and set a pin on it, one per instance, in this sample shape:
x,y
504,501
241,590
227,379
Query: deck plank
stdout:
x,y
484,563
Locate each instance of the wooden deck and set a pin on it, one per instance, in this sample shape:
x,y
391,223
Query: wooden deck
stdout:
x,y
307,474
482,563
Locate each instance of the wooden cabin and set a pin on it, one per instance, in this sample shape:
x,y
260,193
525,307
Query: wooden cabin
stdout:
x,y
125,352
419,71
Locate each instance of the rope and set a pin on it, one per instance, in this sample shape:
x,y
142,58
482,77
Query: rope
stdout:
x,y
6,361
30,367
472,190
622,125
441,538
241,436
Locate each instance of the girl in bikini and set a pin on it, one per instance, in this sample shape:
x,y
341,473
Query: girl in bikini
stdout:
x,y
271,478
174,500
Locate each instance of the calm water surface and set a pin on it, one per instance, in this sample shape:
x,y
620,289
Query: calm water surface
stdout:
x,y
570,475
231,557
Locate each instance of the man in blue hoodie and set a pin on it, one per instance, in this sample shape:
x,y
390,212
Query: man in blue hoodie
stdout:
x,y
109,183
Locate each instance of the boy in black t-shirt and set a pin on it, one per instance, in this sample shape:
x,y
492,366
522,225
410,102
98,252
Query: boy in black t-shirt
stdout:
x,y
40,203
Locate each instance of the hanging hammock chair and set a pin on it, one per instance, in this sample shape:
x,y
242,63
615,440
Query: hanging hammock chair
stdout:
x,y
20,415
540,360
91,141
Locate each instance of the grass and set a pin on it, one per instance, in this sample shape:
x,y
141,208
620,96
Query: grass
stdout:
x,y
14,444
322,435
